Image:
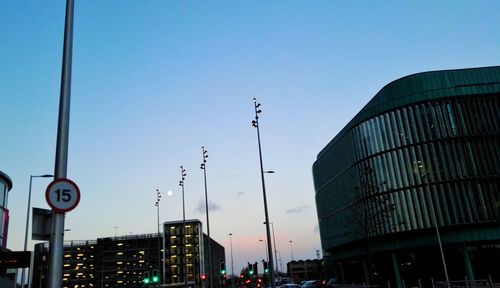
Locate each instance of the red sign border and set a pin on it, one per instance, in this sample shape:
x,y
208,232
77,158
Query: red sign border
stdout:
x,y
54,182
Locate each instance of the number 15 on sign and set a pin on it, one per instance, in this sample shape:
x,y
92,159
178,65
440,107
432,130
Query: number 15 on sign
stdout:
x,y
62,195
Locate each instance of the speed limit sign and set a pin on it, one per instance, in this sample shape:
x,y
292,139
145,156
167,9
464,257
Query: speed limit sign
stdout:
x,y
62,195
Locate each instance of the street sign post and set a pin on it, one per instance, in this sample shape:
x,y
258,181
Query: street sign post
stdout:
x,y
62,195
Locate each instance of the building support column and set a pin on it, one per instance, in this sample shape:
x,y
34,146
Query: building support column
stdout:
x,y
397,271
366,272
468,263
342,275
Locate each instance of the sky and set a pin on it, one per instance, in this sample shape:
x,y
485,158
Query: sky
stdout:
x,y
153,81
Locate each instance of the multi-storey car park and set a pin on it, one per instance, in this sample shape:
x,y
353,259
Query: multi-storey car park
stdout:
x,y
177,257
408,193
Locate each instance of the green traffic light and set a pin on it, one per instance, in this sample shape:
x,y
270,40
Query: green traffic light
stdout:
x,y
251,272
155,279
146,281
223,271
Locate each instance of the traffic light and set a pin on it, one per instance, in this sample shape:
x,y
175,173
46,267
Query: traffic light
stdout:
x,y
250,269
222,268
145,277
155,278
255,268
203,277
266,266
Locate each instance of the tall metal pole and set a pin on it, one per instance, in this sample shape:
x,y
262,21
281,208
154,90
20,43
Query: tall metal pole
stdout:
x,y
291,250
157,204
181,183
275,251
27,225
434,219
204,168
26,232
232,263
265,248
56,251
255,123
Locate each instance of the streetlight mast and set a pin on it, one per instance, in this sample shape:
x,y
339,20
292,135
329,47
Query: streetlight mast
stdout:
x,y
232,263
425,175
157,204
181,183
255,124
204,168
27,223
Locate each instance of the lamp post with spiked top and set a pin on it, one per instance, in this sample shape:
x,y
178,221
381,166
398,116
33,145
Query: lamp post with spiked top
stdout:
x,y
181,183
157,204
255,124
204,168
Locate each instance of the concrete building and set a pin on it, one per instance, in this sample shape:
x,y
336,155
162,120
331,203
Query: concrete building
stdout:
x,y
420,160
123,261
303,270
186,255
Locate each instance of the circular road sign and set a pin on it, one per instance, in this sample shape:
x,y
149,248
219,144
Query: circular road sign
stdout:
x,y
62,195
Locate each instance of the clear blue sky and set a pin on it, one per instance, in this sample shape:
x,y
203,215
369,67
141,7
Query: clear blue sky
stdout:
x,y
153,81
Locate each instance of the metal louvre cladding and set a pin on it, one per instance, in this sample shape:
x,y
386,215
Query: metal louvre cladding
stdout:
x,y
426,143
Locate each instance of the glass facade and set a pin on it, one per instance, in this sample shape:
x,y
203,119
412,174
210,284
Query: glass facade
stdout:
x,y
414,157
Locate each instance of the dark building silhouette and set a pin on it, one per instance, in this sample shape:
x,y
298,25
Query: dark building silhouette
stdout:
x,y
302,270
424,152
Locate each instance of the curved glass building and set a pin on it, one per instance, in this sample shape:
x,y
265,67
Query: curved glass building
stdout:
x,y
416,170
5,186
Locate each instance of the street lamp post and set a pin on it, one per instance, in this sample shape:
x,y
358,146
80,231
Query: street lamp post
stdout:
x,y
265,248
181,183
281,262
425,175
157,204
27,221
204,168
291,249
232,263
255,123
274,239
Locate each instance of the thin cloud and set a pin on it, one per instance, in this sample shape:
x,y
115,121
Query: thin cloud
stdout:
x,y
200,209
240,193
297,210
